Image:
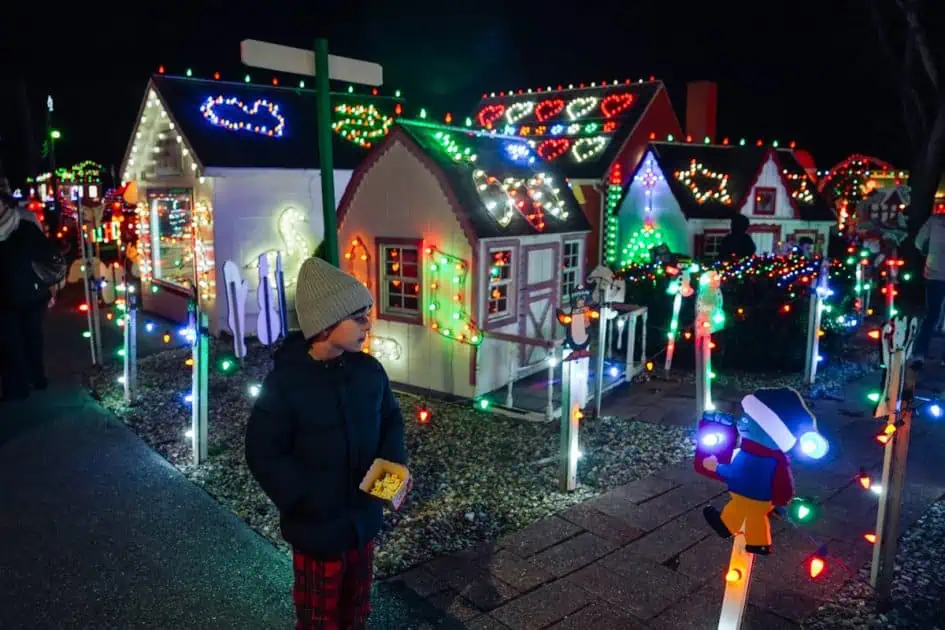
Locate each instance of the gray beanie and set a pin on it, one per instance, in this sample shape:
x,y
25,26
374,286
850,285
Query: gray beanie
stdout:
x,y
325,295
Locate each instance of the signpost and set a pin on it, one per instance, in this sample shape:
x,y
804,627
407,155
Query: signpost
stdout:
x,y
573,392
92,287
314,63
199,391
131,344
896,407
818,295
737,583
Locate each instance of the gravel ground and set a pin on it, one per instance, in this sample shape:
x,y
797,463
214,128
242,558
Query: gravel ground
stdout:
x,y
477,476
918,585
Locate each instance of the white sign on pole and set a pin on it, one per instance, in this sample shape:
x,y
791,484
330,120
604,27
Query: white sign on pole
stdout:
x,y
300,61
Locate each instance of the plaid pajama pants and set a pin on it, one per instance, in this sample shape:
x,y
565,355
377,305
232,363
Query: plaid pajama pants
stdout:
x,y
333,594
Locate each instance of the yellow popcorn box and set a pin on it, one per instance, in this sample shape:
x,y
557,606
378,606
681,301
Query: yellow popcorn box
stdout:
x,y
386,481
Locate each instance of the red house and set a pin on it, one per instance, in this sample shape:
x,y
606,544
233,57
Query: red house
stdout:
x,y
596,134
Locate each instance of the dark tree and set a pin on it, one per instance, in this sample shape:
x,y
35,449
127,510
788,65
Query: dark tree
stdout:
x,y
917,65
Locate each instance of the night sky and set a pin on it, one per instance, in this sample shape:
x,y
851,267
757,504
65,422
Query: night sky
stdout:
x,y
787,69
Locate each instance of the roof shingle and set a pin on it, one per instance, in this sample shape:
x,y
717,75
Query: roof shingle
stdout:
x,y
579,130
740,166
295,146
471,159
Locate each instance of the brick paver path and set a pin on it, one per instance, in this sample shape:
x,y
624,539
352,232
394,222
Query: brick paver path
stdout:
x,y
641,555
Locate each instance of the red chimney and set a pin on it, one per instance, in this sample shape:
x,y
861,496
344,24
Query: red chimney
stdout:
x,y
701,109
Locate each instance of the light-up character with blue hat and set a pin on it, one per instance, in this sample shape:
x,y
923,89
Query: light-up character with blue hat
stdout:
x,y
774,423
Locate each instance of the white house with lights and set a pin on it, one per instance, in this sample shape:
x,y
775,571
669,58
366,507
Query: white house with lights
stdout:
x,y
469,243
229,171
685,195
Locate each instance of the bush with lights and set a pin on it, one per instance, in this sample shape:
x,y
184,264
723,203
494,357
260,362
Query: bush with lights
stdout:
x,y
766,305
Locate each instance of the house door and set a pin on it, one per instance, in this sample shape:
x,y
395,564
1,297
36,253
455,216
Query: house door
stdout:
x,y
540,279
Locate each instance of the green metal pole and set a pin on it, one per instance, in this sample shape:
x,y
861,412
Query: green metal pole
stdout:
x,y
326,166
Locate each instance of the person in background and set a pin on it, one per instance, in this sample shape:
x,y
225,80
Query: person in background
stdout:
x,y
931,242
805,247
23,299
324,414
737,243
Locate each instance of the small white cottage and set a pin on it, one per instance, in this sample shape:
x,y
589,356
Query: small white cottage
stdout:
x,y
469,242
688,194
229,171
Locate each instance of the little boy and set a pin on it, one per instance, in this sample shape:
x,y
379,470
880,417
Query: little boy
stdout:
x,y
326,411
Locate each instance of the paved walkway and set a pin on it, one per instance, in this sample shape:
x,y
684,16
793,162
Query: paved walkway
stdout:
x,y
100,532
641,555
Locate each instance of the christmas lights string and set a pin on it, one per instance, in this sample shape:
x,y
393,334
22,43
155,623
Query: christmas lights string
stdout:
x,y
805,508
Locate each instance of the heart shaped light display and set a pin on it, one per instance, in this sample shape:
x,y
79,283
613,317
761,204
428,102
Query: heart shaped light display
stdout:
x,y
489,114
587,148
549,109
518,111
553,147
264,117
614,104
581,106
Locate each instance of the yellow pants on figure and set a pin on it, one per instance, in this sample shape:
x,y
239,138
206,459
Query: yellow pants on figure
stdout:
x,y
753,514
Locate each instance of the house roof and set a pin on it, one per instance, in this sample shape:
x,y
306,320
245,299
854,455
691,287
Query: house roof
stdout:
x,y
580,130
740,167
202,108
464,160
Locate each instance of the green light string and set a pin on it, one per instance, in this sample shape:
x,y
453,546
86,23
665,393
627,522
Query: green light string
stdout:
x,y
614,193
449,315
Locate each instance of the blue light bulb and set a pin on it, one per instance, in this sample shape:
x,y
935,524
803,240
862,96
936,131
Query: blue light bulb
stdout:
x,y
814,445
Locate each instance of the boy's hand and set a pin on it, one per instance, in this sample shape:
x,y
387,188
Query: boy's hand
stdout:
x,y
710,463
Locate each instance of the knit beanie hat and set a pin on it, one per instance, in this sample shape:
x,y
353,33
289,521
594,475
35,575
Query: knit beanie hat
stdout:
x,y
325,295
781,413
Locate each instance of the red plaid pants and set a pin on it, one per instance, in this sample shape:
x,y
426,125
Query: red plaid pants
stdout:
x,y
333,594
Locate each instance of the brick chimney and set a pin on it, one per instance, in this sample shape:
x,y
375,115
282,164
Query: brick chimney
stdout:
x,y
701,109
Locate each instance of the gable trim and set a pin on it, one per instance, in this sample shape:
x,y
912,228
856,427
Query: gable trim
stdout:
x,y
184,143
400,135
787,189
626,141
135,128
748,196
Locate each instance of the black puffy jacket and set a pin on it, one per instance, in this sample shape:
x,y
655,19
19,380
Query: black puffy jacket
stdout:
x,y
314,432
19,285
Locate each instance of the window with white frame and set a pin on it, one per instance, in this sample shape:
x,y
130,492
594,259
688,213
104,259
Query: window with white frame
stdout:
x,y
570,268
501,283
711,243
400,283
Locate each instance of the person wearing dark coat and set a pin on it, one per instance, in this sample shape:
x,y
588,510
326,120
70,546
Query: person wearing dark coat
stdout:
x,y
737,243
324,414
23,300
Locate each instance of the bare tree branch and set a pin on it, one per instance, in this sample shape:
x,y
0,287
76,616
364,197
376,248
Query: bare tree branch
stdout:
x,y
908,96
910,12
880,26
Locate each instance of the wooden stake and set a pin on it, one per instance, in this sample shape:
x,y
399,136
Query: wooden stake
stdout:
x,y
131,345
899,334
601,353
573,386
199,387
735,600
817,296
703,368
